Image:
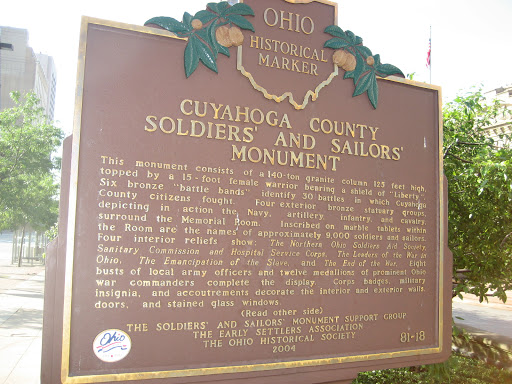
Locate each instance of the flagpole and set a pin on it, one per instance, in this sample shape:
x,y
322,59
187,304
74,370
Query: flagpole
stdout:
x,y
430,66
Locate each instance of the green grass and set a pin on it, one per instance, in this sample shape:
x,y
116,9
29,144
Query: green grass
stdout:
x,y
457,370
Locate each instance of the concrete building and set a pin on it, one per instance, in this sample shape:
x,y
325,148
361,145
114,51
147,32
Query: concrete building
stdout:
x,y
503,124
24,71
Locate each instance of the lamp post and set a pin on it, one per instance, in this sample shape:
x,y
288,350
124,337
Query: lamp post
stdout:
x,y
8,47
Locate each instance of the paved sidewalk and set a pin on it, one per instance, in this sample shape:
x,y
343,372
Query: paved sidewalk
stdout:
x,y
21,320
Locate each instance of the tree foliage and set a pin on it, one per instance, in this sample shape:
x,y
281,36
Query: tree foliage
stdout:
x,y
479,177
27,187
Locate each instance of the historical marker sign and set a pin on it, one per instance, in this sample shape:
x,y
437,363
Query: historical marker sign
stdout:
x,y
258,221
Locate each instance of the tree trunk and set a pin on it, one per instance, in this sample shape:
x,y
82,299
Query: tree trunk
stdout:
x,y
21,246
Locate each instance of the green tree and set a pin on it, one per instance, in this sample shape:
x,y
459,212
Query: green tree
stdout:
x,y
27,187
479,177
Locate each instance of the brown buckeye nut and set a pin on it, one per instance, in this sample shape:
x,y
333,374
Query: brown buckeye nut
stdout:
x,y
236,36
339,57
350,64
222,35
197,24
370,60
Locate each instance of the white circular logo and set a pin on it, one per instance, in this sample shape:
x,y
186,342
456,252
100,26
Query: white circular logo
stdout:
x,y
112,345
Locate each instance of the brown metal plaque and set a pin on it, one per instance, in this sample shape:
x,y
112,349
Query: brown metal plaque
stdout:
x,y
219,231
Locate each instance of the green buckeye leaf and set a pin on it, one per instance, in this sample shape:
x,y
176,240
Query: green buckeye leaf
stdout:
x,y
205,54
214,7
364,75
351,37
364,50
187,20
168,23
224,50
240,21
223,6
384,70
361,67
334,30
363,84
373,91
212,39
349,75
204,16
214,44
240,9
336,43
191,57
203,34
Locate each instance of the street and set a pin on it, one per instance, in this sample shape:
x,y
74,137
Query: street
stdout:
x,y
493,317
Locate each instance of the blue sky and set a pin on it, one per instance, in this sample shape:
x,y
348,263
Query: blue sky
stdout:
x,y
470,38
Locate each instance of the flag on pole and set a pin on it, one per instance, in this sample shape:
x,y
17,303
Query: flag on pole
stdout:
x,y
428,53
